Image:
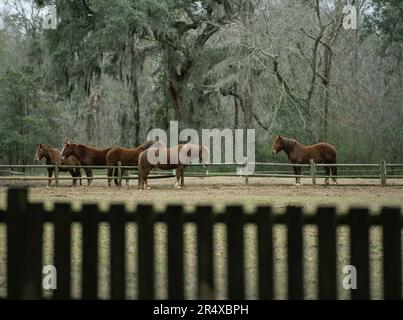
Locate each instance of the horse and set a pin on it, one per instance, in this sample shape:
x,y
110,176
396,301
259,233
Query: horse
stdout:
x,y
52,157
127,157
299,154
177,157
88,156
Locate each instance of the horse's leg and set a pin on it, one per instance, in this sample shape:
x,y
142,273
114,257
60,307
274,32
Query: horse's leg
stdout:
x,y
327,170
297,172
334,174
88,173
109,173
178,176
50,172
73,174
144,174
115,179
78,174
140,183
126,173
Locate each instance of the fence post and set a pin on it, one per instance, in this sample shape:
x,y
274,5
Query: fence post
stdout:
x,y
246,172
119,173
383,172
313,172
56,174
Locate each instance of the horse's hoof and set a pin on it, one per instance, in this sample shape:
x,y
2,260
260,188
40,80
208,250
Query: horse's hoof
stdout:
x,y
148,188
297,184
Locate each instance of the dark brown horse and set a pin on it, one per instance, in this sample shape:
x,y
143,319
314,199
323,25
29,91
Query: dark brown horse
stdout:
x,y
87,156
127,157
300,154
176,158
52,157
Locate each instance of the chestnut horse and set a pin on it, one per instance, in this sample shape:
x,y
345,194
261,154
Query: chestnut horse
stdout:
x,y
300,154
52,157
176,158
88,156
127,157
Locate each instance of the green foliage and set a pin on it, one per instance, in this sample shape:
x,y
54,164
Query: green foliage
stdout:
x,y
27,115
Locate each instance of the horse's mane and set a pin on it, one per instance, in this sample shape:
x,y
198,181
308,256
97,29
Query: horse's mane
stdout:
x,y
289,144
83,146
146,145
49,147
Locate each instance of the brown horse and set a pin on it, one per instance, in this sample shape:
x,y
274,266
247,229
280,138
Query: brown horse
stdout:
x,y
127,157
52,157
300,154
87,156
176,158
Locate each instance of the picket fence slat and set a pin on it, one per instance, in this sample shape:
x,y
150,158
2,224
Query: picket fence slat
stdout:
x,y
118,255
265,252
294,254
392,254
90,252
205,279
327,253
62,232
235,252
16,229
359,234
175,252
145,250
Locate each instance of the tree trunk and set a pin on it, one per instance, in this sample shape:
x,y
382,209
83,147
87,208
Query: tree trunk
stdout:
x,y
135,101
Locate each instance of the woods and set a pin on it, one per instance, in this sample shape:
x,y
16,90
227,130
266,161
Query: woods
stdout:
x,y
113,70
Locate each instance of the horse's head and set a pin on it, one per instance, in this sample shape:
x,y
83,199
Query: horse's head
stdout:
x,y
278,145
67,150
39,152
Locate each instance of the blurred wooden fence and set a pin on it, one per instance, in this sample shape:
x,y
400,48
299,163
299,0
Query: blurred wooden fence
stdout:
x,y
25,225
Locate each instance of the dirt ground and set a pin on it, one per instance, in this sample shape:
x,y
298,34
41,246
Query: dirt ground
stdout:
x,y
218,192
221,191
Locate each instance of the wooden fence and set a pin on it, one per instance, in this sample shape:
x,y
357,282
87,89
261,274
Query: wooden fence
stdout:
x,y
25,221
382,171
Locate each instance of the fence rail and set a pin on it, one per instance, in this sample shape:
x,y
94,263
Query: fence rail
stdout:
x,y
382,171
25,223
